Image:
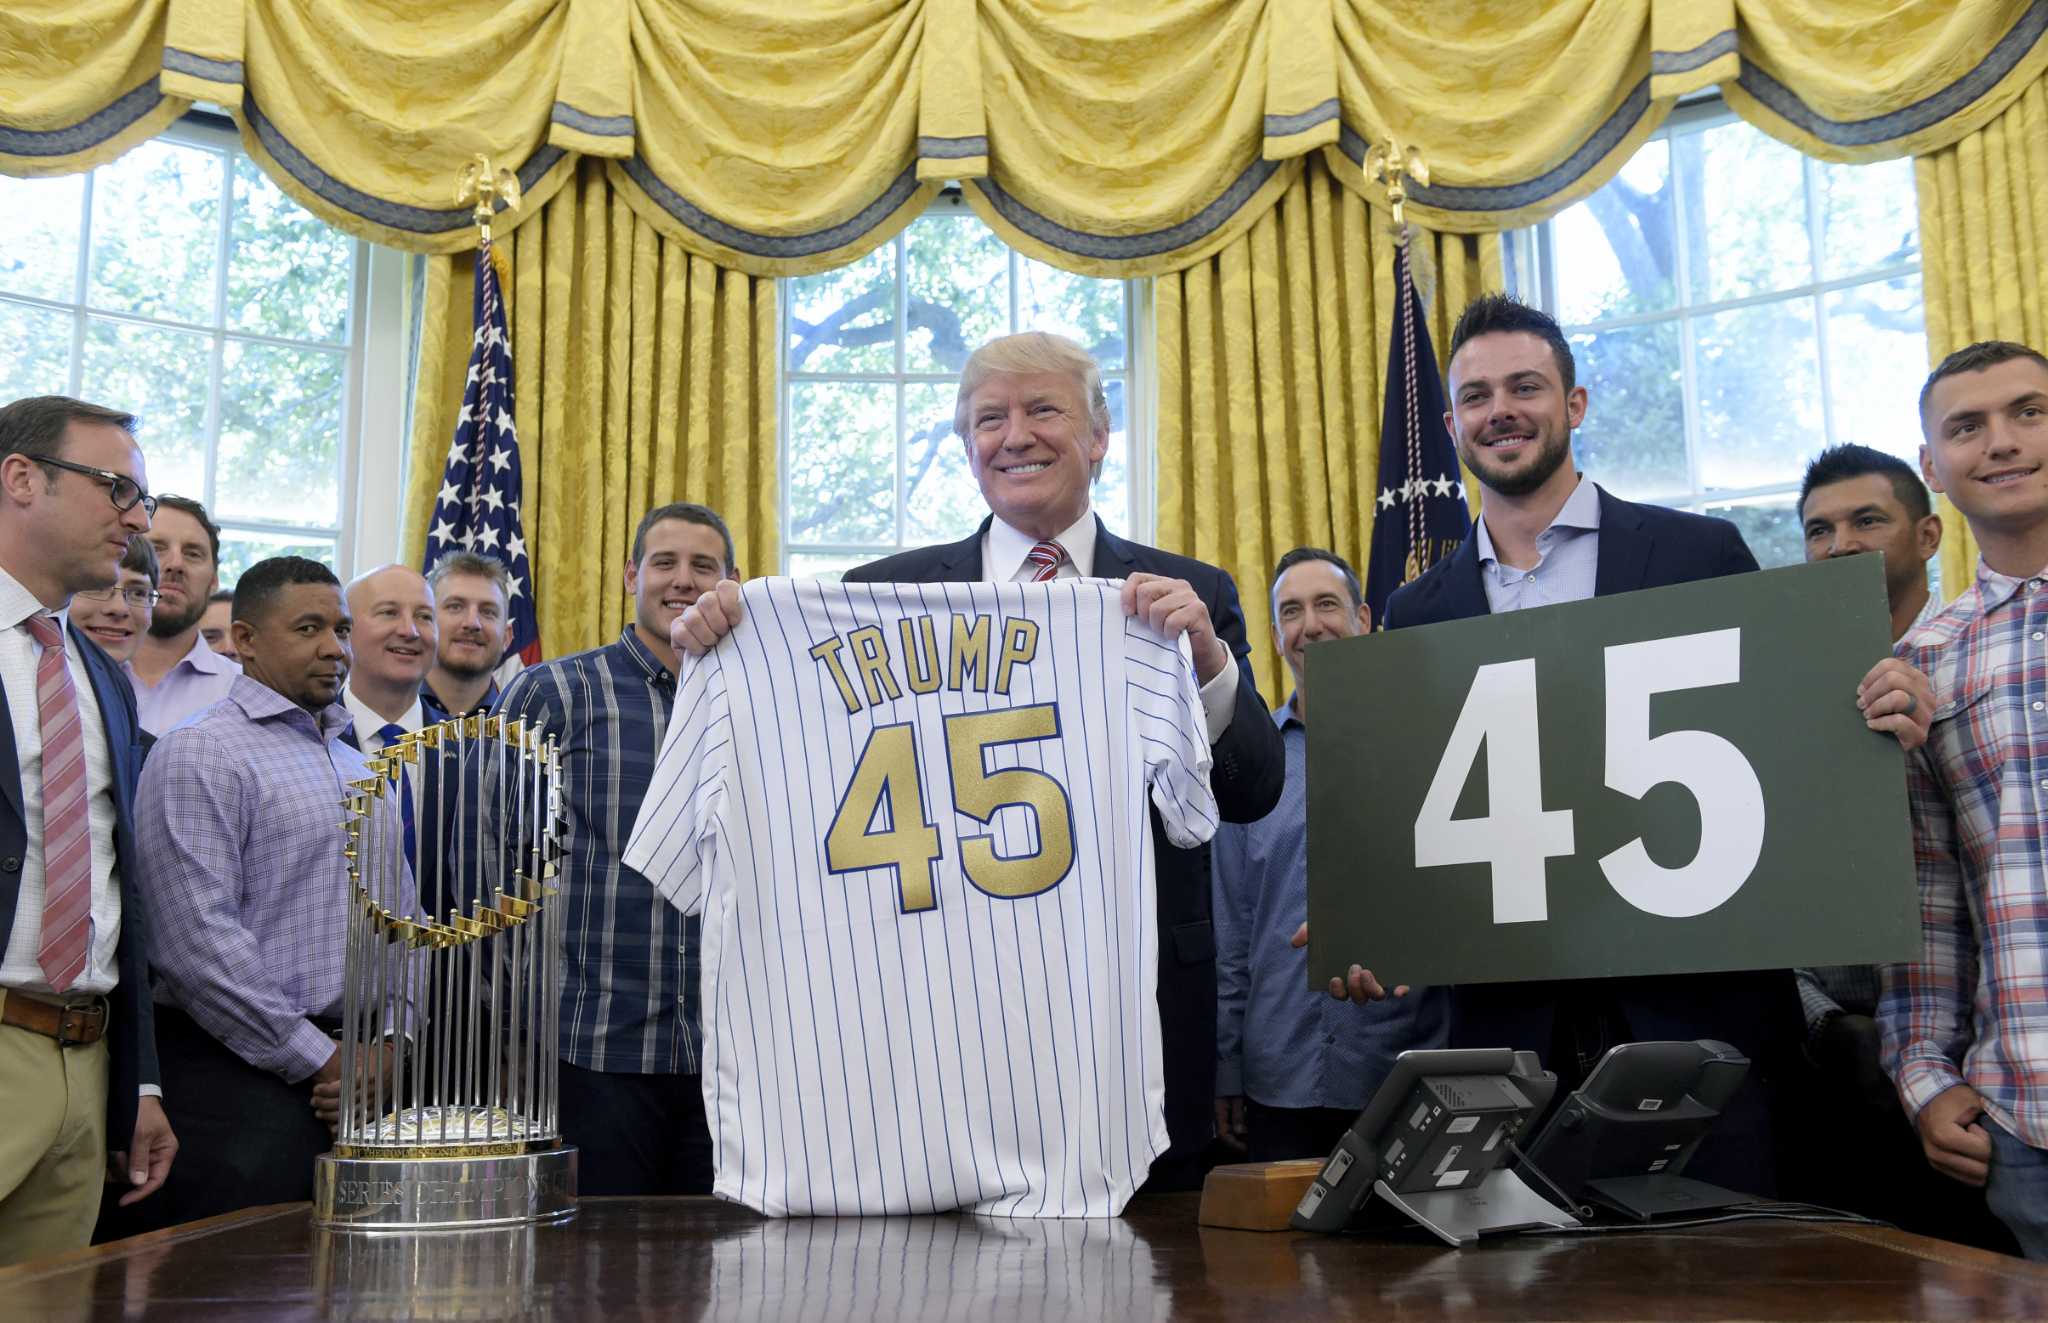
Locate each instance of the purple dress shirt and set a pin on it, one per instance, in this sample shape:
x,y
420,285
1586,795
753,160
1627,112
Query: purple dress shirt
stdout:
x,y
242,873
199,679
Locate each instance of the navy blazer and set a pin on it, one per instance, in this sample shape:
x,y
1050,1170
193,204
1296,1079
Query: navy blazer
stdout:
x,y
1641,546
1250,769
131,1028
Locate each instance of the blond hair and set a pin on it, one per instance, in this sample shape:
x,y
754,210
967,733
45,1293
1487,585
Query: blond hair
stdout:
x,y
1031,352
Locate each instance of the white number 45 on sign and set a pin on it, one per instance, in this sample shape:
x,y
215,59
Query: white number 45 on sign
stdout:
x,y
1518,834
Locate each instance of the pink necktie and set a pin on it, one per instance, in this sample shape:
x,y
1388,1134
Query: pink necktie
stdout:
x,y
1047,557
67,840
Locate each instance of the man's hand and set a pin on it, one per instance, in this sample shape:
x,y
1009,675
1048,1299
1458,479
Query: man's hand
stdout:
x,y
1230,1121
1955,1144
1172,607
147,1159
1361,987
707,620
327,1083
1898,698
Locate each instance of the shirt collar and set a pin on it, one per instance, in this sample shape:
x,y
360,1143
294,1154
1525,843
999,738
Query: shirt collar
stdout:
x,y
259,702
1286,713
1581,511
1006,549
643,656
1994,589
201,657
368,722
17,604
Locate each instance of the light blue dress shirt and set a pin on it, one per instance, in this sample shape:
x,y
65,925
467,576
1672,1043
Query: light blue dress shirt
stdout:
x,y
1570,551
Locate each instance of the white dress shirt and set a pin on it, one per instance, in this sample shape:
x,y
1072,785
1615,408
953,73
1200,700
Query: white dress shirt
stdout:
x,y
19,654
369,723
1005,558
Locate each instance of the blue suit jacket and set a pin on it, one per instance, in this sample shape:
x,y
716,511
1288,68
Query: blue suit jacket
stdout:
x,y
1250,769
1641,546
131,1041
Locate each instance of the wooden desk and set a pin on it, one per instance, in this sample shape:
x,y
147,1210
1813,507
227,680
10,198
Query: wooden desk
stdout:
x,y
627,1259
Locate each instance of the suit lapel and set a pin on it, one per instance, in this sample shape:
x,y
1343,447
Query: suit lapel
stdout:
x,y
1464,590
10,759
1114,557
960,562
1624,557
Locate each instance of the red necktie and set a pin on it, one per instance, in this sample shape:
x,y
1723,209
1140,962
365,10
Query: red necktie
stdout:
x,y
67,836
1047,557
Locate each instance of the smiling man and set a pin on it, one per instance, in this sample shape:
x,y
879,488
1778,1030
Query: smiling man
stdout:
x,y
174,671
394,639
237,818
116,618
631,1099
1966,1028
1034,418
471,595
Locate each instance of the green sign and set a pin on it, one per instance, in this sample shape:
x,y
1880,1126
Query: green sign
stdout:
x,y
1661,782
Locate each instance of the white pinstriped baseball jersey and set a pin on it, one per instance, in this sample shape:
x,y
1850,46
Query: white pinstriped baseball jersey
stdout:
x,y
913,818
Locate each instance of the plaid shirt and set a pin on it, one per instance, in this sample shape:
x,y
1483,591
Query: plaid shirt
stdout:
x,y
1975,1009
629,967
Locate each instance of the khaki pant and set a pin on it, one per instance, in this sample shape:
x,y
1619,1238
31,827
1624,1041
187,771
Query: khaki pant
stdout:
x,y
53,1143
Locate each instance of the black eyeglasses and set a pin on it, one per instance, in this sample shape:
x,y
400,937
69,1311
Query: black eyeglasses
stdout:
x,y
122,490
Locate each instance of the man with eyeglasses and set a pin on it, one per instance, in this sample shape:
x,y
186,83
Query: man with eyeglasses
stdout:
x,y
174,671
78,1065
116,618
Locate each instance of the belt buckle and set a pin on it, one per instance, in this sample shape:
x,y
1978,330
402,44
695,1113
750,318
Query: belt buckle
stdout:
x,y
77,1020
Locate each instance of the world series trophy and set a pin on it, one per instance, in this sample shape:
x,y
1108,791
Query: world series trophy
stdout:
x,y
450,1010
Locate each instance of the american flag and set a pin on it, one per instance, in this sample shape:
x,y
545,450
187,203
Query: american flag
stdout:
x,y
478,508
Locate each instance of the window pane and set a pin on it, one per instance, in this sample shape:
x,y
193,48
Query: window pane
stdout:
x,y
289,272
39,236
842,462
959,294
1111,496
845,320
1877,358
810,565
1745,201
941,500
155,232
240,548
1770,528
1081,308
35,352
1633,439
1868,214
1615,253
1759,394
160,376
280,435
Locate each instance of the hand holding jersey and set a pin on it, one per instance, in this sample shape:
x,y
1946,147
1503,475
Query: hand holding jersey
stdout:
x,y
939,792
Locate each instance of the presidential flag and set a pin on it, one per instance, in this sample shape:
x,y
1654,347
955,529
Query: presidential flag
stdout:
x,y
1419,515
478,509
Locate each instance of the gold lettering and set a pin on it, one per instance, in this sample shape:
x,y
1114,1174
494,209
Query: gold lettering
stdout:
x,y
871,655
828,653
920,654
970,654
1020,644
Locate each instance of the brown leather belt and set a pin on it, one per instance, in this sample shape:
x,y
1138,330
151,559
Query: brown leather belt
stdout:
x,y
74,1025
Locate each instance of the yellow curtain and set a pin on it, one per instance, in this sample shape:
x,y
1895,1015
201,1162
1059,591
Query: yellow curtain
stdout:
x,y
1984,240
642,374
1270,362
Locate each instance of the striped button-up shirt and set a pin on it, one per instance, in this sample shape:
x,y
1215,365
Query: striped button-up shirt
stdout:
x,y
238,825
629,967
1279,1041
1974,1009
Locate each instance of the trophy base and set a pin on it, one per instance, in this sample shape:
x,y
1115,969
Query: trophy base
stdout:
x,y
444,1193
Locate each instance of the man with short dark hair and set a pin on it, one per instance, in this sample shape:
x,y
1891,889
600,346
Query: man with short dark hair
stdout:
x,y
1966,1026
78,1064
472,594
174,672
244,877
217,625
1855,499
1544,536
631,1099
1293,1068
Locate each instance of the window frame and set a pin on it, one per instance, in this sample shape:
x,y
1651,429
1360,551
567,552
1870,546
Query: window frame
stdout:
x,y
1139,389
1531,259
372,408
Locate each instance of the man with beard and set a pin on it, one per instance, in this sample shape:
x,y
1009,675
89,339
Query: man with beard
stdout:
x,y
1545,535
471,595
174,672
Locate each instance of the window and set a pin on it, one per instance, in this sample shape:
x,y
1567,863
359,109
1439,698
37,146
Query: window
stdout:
x,y
180,284
873,353
1734,307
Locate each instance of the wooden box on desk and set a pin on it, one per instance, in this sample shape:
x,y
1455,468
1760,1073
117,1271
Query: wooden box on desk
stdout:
x,y
1256,1196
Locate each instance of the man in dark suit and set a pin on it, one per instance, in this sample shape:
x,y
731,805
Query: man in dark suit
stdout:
x,y
78,1066
1032,411
1547,535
